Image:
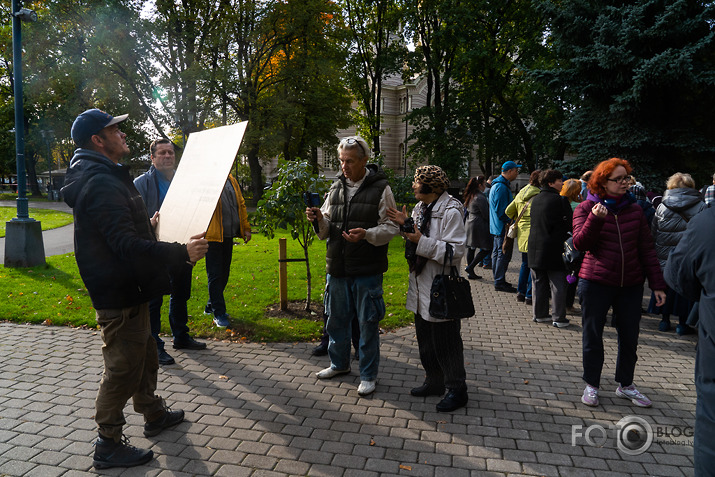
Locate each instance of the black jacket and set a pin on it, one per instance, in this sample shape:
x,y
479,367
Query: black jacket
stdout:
x,y
676,209
551,222
119,259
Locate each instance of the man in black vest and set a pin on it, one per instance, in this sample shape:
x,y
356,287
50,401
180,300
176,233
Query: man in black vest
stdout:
x,y
354,221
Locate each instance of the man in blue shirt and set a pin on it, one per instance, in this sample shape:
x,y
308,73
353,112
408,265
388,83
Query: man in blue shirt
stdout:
x,y
500,197
153,186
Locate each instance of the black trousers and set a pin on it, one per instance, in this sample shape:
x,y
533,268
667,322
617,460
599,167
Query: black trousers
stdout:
x,y
218,268
441,352
473,261
596,300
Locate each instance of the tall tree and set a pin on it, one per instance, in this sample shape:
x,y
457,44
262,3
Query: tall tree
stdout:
x,y
641,78
510,115
437,30
376,52
311,100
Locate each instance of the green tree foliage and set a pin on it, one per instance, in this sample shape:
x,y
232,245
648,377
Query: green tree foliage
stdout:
x,y
310,97
376,52
640,77
283,207
436,29
510,115
477,58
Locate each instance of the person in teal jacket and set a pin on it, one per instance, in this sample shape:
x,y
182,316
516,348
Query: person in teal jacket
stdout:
x,y
499,198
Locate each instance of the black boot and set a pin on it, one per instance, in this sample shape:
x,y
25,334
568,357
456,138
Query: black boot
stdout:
x,y
454,399
108,453
168,419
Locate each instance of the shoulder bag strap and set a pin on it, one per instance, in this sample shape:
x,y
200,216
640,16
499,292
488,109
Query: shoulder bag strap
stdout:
x,y
523,210
682,215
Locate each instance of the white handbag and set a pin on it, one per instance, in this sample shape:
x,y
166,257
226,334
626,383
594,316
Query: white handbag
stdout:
x,y
512,232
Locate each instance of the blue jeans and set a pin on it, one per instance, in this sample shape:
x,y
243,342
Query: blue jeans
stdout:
x,y
178,313
500,260
523,286
350,297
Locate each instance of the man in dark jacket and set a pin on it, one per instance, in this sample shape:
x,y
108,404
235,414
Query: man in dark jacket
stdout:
x,y
689,272
123,267
354,221
153,186
551,219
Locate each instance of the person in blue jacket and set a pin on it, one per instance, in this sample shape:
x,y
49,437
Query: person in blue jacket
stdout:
x,y
500,197
153,186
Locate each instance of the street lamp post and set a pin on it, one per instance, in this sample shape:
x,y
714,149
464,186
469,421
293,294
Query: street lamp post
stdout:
x,y
23,235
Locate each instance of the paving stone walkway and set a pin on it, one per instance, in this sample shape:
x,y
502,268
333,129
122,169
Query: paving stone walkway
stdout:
x,y
258,410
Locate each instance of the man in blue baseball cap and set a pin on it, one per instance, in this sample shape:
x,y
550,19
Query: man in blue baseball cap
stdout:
x,y
500,197
123,266
90,123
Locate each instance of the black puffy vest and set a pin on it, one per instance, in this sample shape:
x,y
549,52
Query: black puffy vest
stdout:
x,y
344,258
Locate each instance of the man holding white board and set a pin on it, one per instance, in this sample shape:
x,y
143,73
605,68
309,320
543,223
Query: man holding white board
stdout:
x,y
123,266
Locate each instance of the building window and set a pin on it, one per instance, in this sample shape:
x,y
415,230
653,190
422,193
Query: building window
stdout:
x,y
330,158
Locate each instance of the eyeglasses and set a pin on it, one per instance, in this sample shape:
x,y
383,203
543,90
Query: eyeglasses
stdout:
x,y
351,141
620,180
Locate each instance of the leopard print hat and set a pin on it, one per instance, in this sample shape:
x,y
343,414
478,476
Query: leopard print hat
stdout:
x,y
432,176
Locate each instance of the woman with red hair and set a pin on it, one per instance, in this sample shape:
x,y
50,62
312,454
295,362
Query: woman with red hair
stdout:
x,y
609,226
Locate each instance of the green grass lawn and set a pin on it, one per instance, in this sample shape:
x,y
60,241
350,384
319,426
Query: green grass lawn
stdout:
x,y
49,219
55,295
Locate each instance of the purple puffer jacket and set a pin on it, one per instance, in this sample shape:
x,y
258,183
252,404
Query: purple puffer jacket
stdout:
x,y
619,247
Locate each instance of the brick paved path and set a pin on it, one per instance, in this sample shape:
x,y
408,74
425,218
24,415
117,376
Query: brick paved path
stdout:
x,y
258,410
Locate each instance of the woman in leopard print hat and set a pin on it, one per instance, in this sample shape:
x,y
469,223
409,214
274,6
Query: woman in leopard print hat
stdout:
x,y
433,177
437,222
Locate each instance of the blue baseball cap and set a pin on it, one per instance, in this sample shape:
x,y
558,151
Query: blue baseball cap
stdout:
x,y
509,165
90,123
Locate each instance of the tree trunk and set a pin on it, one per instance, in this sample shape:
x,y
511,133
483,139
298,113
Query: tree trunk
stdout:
x,y
255,165
30,161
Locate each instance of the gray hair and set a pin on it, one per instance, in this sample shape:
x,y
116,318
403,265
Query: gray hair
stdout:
x,y
354,142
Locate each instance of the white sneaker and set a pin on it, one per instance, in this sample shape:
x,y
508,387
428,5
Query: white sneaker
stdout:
x,y
328,373
366,387
636,397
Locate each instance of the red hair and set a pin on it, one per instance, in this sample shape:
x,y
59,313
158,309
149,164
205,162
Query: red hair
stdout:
x,y
597,182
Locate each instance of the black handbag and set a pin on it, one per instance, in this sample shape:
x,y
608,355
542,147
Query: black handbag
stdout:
x,y
572,257
451,295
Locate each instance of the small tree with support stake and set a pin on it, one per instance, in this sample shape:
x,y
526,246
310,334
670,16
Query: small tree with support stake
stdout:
x,y
283,207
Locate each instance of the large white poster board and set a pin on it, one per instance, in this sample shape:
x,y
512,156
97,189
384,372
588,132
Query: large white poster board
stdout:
x,y
198,182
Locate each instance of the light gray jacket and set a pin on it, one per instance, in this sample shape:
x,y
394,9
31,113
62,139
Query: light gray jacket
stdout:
x,y
446,226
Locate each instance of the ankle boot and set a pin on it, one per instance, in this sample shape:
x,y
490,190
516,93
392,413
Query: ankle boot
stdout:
x,y
454,399
109,453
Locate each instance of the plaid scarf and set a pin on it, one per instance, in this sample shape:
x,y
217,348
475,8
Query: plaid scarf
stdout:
x,y
416,262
